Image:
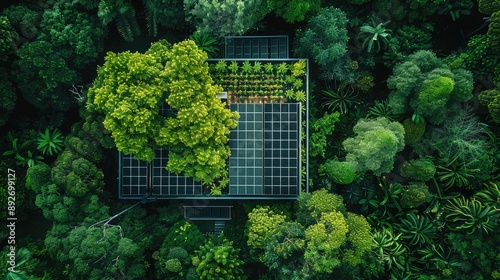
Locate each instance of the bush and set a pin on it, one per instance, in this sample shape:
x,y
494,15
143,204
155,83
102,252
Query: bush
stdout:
x,y
415,195
340,172
413,131
418,169
375,145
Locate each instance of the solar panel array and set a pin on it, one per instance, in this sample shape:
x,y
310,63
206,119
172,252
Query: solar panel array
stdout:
x,y
134,176
264,161
265,150
166,183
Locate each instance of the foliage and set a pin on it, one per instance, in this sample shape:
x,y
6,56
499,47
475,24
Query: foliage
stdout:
x,y
294,11
324,239
77,176
381,109
183,234
206,43
476,255
493,34
479,58
415,194
47,70
389,249
37,176
218,261
342,99
491,99
199,133
375,145
228,17
123,14
339,172
175,264
325,41
50,142
106,248
128,90
167,13
7,35
7,99
262,224
418,169
413,131
25,22
374,35
468,215
321,128
428,86
490,195
24,153
311,206
20,268
417,229
434,95
488,6
77,36
284,249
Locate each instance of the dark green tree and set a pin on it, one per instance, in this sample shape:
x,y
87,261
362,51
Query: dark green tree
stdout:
x,y
294,11
228,17
427,85
324,40
49,73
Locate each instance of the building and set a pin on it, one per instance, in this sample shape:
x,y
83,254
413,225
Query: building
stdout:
x,y
268,153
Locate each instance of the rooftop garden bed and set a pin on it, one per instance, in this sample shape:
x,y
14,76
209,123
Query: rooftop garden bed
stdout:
x,y
261,82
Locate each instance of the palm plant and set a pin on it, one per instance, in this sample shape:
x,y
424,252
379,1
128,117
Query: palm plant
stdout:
x,y
16,148
23,255
435,258
490,195
342,100
206,43
50,142
123,13
22,153
382,109
454,172
470,215
375,36
388,248
417,229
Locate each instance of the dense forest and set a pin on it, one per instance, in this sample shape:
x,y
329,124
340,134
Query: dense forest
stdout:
x,y
404,139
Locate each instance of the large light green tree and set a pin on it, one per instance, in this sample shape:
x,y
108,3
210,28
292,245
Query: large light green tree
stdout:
x,y
375,145
131,88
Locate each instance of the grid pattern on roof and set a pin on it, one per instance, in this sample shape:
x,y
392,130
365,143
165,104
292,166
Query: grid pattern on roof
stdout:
x,y
262,47
281,146
265,150
165,183
246,161
134,176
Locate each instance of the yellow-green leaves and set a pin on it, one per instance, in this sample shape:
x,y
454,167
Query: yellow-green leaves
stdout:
x,y
200,131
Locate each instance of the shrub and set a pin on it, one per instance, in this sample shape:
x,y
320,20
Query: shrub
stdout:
x,y
418,169
340,172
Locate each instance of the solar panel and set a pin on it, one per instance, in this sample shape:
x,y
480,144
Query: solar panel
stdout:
x,y
265,150
264,161
134,176
246,162
166,183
